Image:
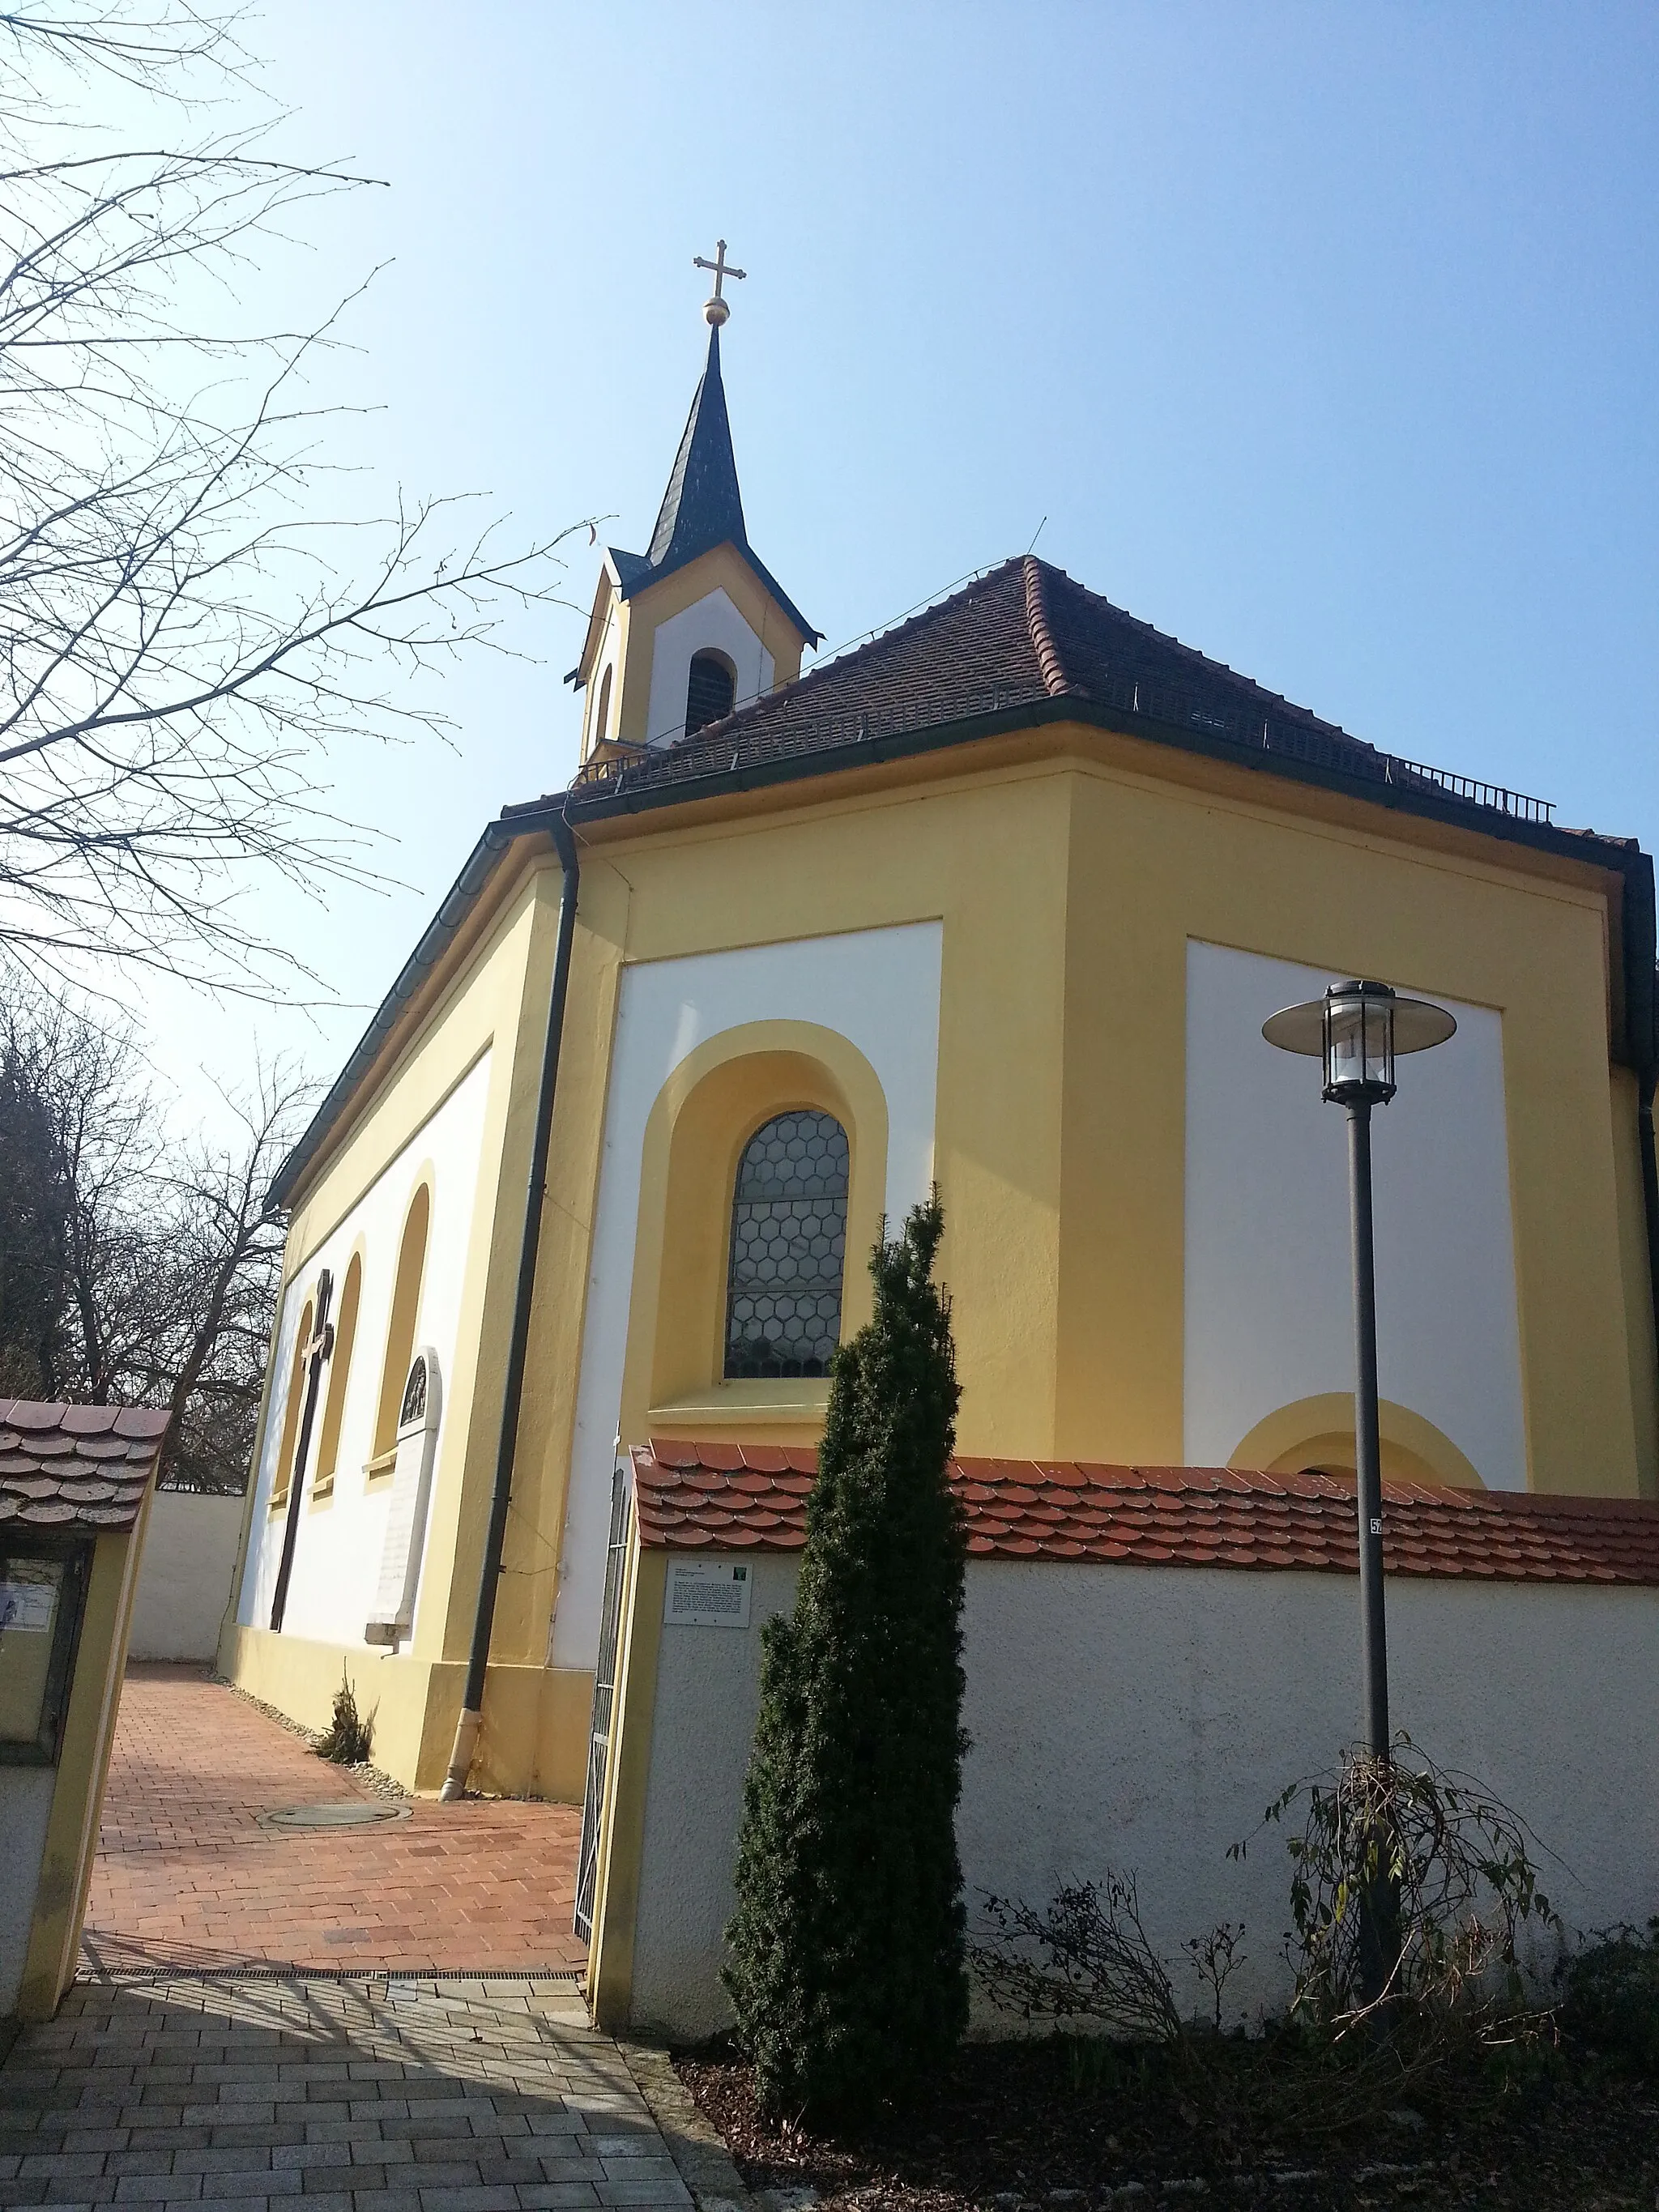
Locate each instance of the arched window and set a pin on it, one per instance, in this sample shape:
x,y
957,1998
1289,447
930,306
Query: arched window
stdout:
x,y
296,1389
339,1374
400,1330
788,1248
710,690
602,711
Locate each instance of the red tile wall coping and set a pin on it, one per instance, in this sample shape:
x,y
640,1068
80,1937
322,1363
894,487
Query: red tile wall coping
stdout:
x,y
711,1497
75,1466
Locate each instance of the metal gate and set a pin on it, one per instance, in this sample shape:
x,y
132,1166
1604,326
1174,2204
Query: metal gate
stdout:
x,y
604,1692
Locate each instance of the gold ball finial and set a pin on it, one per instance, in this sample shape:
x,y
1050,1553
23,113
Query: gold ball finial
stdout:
x,y
715,312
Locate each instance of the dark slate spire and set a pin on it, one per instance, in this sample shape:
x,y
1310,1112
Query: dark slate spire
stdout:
x,y
703,505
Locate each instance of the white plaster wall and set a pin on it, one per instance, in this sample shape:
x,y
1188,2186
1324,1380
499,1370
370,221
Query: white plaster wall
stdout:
x,y
1269,1317
337,1559
712,623
25,1808
877,987
1141,1718
707,1693
185,1575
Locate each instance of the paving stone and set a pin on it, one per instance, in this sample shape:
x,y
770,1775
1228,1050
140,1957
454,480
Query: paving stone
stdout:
x,y
189,1872
309,2094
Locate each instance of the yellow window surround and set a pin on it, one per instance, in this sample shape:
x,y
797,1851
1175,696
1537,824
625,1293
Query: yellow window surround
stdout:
x,y
721,1093
802,1399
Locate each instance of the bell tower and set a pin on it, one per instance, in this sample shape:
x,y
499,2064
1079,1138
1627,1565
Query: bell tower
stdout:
x,y
695,626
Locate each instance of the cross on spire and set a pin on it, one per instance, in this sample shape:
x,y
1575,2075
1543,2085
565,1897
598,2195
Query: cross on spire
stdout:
x,y
716,311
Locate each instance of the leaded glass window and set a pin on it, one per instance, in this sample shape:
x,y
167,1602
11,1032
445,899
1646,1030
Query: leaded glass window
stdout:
x,y
788,1248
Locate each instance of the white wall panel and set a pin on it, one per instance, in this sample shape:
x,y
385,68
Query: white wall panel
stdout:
x,y
878,988
1268,1317
338,1557
713,622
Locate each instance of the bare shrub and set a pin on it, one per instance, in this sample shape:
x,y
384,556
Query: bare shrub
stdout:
x,y
1455,1865
1086,1955
349,1738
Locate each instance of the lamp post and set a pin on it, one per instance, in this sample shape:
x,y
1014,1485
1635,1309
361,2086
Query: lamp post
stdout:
x,y
1358,1029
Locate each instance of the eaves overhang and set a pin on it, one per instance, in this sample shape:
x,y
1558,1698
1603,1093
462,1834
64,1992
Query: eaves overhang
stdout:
x,y
1635,1043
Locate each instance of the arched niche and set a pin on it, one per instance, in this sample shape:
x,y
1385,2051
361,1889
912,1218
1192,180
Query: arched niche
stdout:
x,y
297,1384
400,1327
339,1377
1318,1432
701,1122
601,729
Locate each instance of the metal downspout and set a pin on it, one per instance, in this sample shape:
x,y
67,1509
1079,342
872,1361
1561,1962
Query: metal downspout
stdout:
x,y
489,1572
1647,1079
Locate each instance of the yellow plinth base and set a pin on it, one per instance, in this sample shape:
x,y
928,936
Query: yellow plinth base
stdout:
x,y
534,1742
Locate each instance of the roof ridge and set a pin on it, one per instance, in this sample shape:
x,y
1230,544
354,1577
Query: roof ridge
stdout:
x,y
1055,679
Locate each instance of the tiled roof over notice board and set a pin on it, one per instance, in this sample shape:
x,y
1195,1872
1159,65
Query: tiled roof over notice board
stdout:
x,y
69,1466
716,1497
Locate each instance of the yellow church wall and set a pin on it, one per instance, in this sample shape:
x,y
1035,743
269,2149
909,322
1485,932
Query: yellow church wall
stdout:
x,y
1068,870
986,865
496,996
1151,868
1068,891
1642,1351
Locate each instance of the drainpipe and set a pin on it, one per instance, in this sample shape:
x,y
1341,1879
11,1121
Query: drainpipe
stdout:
x,y
1647,1079
489,1573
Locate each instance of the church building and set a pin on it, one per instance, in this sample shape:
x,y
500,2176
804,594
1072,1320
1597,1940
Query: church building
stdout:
x,y
999,900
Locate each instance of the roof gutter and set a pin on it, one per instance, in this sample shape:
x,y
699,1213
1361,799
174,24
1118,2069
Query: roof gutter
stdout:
x,y
490,1571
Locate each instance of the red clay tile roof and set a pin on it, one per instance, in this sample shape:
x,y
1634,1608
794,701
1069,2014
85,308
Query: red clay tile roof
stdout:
x,y
1023,635
75,1466
705,1497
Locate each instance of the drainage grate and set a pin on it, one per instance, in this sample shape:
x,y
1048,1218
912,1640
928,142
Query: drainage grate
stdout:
x,y
562,1978
339,1813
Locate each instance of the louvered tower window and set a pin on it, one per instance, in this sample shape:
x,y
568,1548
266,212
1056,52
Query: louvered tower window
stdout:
x,y
788,1248
709,690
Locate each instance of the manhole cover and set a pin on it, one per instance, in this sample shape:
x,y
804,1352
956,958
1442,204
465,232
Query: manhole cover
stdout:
x,y
351,1813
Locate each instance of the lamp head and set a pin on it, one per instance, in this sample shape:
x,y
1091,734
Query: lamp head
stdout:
x,y
1357,1031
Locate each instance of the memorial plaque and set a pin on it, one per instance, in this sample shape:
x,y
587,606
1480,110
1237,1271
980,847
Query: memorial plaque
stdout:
x,y
704,1595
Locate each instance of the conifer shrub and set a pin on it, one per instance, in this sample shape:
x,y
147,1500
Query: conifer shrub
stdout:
x,y
846,1962
1613,1997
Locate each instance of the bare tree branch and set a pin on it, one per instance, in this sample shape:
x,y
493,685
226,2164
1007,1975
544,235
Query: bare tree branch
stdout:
x,y
187,634
134,1269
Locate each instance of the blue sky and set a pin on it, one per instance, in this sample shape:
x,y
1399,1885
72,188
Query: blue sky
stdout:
x,y
1323,336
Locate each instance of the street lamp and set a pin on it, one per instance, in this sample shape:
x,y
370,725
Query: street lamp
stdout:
x,y
1359,1031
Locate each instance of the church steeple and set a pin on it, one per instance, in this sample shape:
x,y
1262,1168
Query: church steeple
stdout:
x,y
703,505
696,625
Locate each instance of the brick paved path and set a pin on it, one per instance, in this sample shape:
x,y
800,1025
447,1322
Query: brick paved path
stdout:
x,y
188,1873
306,2096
